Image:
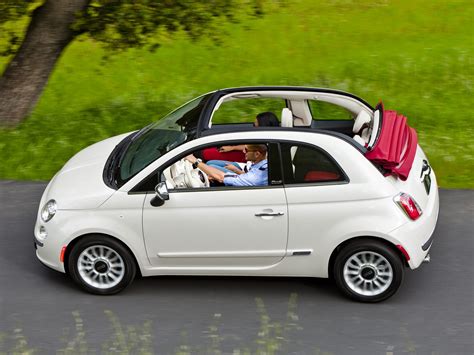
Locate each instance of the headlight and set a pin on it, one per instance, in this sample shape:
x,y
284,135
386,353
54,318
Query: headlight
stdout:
x,y
49,210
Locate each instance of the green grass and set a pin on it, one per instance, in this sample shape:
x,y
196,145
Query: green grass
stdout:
x,y
415,55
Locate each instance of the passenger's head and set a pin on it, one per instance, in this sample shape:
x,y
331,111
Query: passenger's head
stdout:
x,y
255,152
266,119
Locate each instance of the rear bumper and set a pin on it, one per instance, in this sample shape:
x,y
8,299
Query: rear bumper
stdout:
x,y
416,237
427,245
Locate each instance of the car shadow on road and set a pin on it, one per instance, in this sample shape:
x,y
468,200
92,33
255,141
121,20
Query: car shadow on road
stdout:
x,y
233,285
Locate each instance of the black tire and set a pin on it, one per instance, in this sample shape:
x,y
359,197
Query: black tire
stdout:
x,y
118,264
373,277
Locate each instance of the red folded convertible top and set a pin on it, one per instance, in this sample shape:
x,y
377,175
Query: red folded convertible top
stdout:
x,y
395,147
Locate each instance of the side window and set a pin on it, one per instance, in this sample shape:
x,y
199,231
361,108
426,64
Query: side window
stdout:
x,y
239,164
245,110
321,110
308,164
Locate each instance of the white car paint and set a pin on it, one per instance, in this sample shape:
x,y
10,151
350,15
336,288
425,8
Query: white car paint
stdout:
x,y
205,232
81,177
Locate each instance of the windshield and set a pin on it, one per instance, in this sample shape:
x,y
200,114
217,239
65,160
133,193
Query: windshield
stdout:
x,y
160,137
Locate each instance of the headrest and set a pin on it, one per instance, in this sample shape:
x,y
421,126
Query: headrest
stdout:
x,y
363,119
286,118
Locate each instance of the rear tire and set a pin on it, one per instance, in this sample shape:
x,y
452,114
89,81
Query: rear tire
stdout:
x,y
101,265
368,271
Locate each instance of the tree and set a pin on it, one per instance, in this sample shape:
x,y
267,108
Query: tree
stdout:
x,y
119,24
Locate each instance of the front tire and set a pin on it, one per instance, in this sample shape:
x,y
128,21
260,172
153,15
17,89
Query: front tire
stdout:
x,y
101,265
368,271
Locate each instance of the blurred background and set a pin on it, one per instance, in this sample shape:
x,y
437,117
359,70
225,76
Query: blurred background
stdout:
x,y
416,56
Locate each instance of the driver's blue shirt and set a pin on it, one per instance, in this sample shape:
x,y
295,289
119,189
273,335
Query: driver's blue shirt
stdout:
x,y
256,176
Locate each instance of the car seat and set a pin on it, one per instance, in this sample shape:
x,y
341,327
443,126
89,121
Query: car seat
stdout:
x,y
286,117
361,128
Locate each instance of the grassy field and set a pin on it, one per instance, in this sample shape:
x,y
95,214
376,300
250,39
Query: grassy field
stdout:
x,y
414,55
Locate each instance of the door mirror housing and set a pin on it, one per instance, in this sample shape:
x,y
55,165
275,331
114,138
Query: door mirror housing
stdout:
x,y
161,195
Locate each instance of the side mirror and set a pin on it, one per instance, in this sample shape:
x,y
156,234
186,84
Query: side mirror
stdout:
x,y
162,194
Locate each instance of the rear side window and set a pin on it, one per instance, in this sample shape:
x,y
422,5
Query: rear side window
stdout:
x,y
303,164
321,110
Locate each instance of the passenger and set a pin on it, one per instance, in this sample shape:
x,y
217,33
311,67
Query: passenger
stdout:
x,y
256,176
263,119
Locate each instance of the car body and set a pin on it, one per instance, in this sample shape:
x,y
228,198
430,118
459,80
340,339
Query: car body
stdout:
x,y
131,205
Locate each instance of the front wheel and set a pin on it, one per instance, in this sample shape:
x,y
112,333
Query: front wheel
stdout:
x,y
368,271
101,265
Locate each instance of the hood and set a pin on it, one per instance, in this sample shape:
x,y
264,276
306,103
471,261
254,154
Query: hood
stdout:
x,y
79,184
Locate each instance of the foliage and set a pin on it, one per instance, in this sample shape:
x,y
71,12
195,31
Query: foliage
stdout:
x,y
416,56
122,24
13,11
126,24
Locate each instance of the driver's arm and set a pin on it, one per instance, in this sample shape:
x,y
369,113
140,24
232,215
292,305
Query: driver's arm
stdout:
x,y
230,148
214,173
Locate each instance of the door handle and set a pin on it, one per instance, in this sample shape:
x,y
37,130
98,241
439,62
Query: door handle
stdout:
x,y
269,214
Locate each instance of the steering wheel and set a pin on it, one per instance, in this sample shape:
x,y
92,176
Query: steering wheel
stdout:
x,y
194,177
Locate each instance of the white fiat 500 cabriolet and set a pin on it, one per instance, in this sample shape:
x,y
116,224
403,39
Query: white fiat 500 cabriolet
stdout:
x,y
336,188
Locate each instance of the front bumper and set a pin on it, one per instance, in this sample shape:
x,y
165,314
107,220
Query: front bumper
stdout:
x,y
38,243
48,251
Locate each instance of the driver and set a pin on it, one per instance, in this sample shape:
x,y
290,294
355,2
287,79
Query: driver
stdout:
x,y
256,176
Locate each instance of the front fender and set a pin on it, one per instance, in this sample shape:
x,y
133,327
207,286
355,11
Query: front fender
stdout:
x,y
68,225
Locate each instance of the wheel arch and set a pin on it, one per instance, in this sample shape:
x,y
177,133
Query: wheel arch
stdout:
x,y
76,240
346,242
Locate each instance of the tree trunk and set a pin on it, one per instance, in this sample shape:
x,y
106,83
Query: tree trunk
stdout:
x,y
22,82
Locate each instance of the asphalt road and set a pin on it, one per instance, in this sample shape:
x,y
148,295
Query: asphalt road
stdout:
x,y
42,310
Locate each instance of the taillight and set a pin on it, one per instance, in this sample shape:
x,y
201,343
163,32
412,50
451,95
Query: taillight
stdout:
x,y
408,205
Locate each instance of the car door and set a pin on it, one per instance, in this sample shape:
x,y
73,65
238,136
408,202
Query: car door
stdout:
x,y
316,191
218,227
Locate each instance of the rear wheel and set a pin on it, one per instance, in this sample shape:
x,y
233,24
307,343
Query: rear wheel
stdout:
x,y
101,265
368,271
